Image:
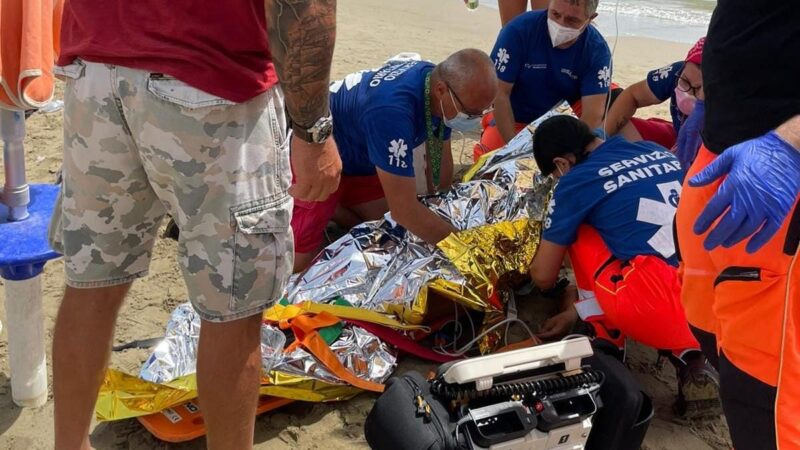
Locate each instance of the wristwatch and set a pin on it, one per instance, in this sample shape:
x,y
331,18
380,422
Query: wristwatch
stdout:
x,y
317,133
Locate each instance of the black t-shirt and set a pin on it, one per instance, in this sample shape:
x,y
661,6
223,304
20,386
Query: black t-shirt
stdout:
x,y
751,70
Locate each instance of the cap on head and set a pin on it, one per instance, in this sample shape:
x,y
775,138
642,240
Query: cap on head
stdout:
x,y
695,54
557,137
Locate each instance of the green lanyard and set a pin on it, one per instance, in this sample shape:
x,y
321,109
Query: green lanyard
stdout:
x,y
433,144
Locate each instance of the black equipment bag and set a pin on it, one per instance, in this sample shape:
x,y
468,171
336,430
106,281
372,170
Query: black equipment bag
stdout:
x,y
407,417
622,422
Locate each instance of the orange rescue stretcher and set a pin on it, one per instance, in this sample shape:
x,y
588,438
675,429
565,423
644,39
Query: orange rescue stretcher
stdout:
x,y
185,422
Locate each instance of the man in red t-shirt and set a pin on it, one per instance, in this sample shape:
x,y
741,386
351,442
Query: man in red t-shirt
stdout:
x,y
174,108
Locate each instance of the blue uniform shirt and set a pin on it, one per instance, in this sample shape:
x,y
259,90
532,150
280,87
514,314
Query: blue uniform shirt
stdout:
x,y
544,76
662,83
379,118
627,191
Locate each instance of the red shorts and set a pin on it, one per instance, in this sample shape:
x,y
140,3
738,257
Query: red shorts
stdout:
x,y
660,131
309,219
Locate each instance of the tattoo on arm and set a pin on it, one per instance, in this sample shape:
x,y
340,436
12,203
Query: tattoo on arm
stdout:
x,y
301,38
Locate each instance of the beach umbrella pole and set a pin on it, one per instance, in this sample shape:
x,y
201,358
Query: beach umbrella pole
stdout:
x,y
24,216
26,349
15,194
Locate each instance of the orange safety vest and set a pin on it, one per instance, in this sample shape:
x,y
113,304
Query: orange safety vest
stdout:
x,y
749,301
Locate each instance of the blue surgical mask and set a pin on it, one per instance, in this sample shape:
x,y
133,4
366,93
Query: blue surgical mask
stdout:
x,y
461,122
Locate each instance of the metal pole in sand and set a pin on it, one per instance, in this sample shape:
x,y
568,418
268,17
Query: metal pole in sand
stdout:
x,y
24,214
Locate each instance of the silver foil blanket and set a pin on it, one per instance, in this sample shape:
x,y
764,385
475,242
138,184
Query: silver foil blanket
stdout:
x,y
381,267
358,350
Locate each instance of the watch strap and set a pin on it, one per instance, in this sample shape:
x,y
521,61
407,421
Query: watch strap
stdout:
x,y
307,133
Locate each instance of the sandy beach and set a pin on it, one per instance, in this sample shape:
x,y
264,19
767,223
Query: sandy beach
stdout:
x,y
369,32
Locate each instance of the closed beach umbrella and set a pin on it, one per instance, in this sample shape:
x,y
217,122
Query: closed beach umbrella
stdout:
x,y
29,31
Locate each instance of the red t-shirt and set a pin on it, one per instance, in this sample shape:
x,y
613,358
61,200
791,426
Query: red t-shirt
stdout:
x,y
220,47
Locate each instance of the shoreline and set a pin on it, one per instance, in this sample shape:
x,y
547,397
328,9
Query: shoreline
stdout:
x,y
450,27
630,25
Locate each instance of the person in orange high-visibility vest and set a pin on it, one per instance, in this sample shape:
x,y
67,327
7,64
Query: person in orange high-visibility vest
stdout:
x,y
738,223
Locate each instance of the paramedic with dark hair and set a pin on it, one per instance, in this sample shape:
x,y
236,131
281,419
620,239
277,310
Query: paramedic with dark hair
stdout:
x,y
612,212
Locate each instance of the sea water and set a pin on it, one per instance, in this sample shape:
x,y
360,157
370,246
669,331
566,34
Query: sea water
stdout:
x,y
671,20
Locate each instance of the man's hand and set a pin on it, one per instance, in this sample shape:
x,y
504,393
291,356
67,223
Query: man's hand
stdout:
x,y
401,195
316,168
762,184
559,325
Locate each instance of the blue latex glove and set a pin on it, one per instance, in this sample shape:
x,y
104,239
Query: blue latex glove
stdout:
x,y
761,187
689,138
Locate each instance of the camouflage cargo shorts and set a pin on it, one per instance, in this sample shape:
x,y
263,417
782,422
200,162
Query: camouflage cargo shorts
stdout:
x,y
138,145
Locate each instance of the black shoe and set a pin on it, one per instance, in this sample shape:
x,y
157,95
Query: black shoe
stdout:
x,y
698,387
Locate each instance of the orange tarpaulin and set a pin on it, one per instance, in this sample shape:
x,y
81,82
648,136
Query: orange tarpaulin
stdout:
x,y
29,32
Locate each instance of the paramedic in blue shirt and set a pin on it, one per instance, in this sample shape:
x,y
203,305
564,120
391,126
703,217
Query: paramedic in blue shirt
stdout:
x,y
379,118
682,84
543,58
612,211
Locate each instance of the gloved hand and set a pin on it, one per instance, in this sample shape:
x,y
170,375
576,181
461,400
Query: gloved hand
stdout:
x,y
761,187
689,138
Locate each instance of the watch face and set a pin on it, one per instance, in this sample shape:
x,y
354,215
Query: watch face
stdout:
x,y
322,129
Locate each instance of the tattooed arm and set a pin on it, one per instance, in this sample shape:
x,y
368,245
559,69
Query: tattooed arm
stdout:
x,y
636,96
301,37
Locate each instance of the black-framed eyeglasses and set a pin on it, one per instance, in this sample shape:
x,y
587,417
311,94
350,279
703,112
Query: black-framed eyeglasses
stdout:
x,y
462,108
685,86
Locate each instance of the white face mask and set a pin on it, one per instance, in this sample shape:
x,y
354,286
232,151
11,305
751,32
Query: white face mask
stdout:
x,y
560,34
461,122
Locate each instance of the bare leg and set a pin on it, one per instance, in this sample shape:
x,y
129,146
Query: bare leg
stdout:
x,y
539,4
228,373
510,9
81,347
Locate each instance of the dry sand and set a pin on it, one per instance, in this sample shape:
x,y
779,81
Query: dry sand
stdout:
x,y
369,31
